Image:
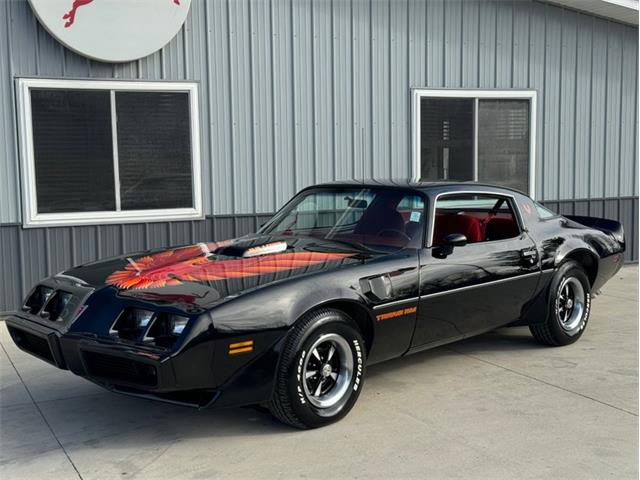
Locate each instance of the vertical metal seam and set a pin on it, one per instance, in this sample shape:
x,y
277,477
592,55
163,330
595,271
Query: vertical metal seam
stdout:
x,y
333,95
512,45
185,49
114,147
371,159
495,45
426,42
590,150
72,245
22,271
389,95
476,107
252,116
47,250
163,67
478,49
606,116
293,100
273,109
559,125
314,119
444,44
460,76
146,236
99,241
207,46
529,49
634,163
353,97
575,114
231,119
407,123
619,159
123,247
544,105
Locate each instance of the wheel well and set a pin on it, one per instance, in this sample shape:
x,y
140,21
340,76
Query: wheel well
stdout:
x,y
359,315
588,261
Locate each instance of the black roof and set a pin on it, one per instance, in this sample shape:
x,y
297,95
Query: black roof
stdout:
x,y
427,187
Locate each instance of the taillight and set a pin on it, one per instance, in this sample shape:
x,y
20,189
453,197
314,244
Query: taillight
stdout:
x,y
37,299
166,329
132,323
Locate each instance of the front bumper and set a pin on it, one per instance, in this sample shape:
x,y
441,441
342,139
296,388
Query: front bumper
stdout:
x,y
117,367
186,377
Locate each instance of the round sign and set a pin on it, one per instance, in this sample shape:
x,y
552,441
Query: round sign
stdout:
x,y
112,30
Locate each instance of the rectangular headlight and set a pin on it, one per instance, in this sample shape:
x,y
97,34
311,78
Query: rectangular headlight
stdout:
x,y
37,299
132,323
166,329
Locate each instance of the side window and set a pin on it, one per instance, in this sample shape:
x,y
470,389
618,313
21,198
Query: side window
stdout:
x,y
544,212
481,218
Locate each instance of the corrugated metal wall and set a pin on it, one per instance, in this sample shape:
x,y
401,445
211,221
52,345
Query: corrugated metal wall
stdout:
x,y
294,92
297,92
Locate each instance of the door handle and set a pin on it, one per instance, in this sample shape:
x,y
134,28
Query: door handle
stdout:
x,y
530,256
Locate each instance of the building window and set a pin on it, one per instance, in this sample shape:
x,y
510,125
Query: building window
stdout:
x,y
480,135
108,151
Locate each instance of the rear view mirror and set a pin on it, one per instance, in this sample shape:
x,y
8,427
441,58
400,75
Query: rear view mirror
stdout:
x,y
356,202
455,240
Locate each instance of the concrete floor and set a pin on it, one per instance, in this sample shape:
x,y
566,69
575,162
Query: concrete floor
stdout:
x,y
497,406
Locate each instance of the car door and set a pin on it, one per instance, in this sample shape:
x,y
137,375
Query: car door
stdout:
x,y
479,286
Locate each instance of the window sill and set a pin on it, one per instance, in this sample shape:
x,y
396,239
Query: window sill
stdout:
x,y
100,218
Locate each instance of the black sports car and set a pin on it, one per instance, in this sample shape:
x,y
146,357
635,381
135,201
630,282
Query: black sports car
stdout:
x,y
343,276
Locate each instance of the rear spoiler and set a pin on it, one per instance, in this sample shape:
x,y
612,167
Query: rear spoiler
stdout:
x,y
613,228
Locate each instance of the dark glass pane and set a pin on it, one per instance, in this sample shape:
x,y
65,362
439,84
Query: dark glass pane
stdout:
x,y
154,150
503,143
72,150
446,138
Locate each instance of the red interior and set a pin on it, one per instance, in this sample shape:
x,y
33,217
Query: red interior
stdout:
x,y
499,228
447,224
477,227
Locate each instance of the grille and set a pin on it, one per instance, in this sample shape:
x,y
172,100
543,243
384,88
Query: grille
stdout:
x,y
119,369
33,344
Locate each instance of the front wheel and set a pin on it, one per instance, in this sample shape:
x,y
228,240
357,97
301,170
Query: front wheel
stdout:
x,y
321,370
569,307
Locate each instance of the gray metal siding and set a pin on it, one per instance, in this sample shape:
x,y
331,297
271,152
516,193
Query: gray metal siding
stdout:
x,y
295,92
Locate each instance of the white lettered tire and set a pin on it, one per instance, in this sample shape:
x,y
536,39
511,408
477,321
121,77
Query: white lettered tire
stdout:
x,y
569,307
321,370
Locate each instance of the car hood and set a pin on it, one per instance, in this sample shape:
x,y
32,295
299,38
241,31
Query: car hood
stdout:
x,y
204,274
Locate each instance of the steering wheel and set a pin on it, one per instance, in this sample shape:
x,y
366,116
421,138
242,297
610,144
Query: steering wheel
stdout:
x,y
395,232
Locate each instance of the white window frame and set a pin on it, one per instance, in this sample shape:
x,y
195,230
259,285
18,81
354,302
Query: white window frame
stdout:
x,y
476,94
31,217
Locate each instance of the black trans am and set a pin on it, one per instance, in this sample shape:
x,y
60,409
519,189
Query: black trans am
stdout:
x,y
343,276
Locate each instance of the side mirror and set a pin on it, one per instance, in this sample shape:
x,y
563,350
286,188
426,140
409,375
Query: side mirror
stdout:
x,y
455,240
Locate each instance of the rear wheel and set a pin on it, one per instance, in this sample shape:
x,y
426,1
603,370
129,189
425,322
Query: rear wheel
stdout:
x,y
569,307
321,370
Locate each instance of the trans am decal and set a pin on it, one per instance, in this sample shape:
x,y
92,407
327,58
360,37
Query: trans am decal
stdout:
x,y
195,264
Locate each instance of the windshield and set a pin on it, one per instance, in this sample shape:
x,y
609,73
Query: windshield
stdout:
x,y
376,218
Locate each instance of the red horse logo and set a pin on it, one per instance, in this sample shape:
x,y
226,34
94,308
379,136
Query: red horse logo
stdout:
x,y
70,16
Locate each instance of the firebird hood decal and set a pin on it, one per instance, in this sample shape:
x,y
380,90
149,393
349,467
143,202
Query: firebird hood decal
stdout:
x,y
196,264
